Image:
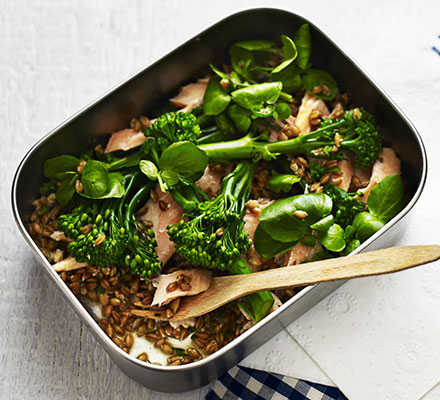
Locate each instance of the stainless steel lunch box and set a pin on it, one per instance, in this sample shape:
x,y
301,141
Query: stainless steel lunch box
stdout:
x,y
152,87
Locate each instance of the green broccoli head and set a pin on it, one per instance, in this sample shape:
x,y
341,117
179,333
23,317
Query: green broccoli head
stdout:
x,y
107,232
212,235
100,240
359,135
170,128
345,205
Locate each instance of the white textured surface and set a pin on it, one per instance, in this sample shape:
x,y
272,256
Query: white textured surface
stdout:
x,y
56,57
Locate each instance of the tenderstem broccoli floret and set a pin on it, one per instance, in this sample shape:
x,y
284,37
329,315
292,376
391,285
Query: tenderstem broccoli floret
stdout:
x,y
212,233
167,129
345,205
356,132
107,232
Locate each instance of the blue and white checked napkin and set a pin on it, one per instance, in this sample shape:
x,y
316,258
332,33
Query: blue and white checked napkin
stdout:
x,y
251,384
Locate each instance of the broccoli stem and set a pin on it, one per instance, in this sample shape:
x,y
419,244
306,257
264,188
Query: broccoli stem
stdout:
x,y
214,136
249,147
239,186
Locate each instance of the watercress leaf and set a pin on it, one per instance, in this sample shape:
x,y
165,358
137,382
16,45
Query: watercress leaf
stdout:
x,y
386,199
323,224
235,78
149,169
366,225
57,165
252,45
95,179
264,112
333,238
283,182
308,240
116,187
130,161
225,124
283,111
169,177
316,77
290,77
303,45
316,205
221,74
349,232
183,157
241,59
66,189
240,117
255,97
354,244
279,222
289,53
215,100
268,247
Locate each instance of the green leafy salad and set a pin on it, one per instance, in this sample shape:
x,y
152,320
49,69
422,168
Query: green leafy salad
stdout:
x,y
285,138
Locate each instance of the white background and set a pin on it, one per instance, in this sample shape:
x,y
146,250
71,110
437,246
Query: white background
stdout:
x,y
55,57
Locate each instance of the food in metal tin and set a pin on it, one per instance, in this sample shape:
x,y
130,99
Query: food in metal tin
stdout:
x,y
262,163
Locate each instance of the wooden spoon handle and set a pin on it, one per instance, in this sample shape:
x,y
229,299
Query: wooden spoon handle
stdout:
x,y
224,289
376,262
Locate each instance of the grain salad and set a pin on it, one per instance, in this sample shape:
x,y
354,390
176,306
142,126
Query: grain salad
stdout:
x,y
260,164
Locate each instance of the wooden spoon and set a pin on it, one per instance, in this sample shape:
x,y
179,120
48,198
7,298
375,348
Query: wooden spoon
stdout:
x,y
224,289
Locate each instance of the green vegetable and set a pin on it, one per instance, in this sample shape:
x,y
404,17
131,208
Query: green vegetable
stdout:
x,y
281,224
359,135
218,72
149,169
333,238
167,129
96,180
283,111
317,170
290,77
317,77
386,199
366,225
107,233
226,126
185,159
58,165
241,117
259,99
98,183
283,182
212,234
181,162
289,52
243,57
345,205
198,239
323,224
280,229
268,247
66,188
303,44
215,100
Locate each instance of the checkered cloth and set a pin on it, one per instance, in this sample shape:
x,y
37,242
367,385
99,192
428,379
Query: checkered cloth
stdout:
x,y
251,384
